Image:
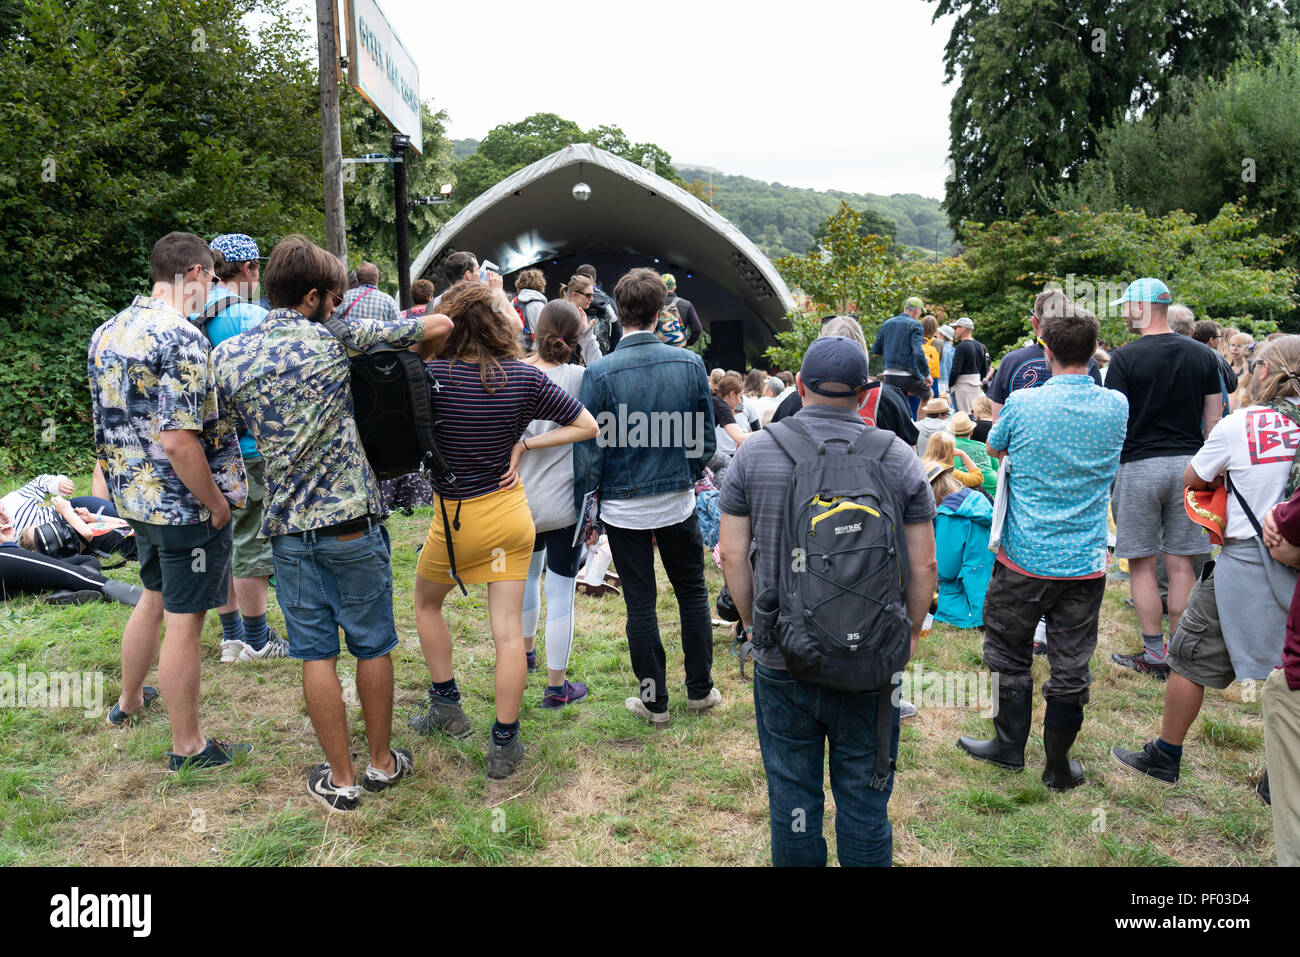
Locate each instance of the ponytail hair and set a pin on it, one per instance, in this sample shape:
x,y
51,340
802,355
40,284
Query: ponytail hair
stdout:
x,y
557,331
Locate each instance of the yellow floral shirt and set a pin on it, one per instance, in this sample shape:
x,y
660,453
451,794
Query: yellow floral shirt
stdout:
x,y
150,372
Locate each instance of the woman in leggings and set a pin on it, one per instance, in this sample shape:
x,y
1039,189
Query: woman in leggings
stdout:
x,y
547,475
70,582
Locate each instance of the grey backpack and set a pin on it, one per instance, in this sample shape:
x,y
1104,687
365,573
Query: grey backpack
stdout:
x,y
838,613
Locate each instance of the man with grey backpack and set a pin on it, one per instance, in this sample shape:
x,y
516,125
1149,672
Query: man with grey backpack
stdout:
x,y
833,603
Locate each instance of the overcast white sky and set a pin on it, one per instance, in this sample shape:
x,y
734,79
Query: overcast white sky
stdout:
x,y
831,95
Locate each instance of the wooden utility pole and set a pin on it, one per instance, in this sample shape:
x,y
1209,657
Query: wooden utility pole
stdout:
x,y
331,142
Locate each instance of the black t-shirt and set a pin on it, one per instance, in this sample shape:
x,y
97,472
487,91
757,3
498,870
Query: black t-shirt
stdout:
x,y
1166,378
892,412
969,358
1025,369
722,413
981,431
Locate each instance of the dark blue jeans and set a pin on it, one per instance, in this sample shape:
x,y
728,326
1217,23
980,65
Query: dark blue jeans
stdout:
x,y
795,719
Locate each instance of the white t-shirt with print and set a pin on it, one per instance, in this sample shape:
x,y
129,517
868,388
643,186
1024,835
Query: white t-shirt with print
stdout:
x,y
1257,446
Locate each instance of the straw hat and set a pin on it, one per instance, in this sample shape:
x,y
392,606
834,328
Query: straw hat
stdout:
x,y
961,424
937,406
936,469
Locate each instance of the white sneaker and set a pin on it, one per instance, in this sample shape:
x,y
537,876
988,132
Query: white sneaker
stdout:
x,y
230,651
638,708
905,709
275,647
701,705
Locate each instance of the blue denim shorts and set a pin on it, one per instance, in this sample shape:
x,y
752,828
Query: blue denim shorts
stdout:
x,y
324,584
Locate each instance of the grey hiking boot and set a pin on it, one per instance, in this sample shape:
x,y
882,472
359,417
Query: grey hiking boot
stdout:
x,y
437,713
504,759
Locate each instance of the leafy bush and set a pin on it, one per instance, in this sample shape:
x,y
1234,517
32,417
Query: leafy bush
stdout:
x,y
44,389
1223,268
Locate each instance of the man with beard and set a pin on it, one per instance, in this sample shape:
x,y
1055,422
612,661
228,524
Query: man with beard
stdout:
x,y
287,382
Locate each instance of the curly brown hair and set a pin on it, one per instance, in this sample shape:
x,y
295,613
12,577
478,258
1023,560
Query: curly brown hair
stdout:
x,y
479,335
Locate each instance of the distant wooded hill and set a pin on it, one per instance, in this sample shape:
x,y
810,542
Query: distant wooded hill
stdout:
x,y
783,220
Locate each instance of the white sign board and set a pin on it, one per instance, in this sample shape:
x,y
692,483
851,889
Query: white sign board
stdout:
x,y
382,70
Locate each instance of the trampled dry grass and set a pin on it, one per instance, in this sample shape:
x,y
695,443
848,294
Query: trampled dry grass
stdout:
x,y
598,787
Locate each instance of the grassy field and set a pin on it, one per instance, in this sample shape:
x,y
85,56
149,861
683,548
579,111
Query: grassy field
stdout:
x,y
598,786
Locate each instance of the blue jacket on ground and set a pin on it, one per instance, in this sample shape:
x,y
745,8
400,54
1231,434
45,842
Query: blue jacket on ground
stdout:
x,y
655,414
961,538
899,340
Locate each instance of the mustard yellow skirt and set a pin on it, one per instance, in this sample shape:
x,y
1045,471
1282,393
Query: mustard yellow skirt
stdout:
x,y
494,543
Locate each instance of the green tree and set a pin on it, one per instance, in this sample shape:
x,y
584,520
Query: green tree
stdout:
x,y
119,123
706,194
1224,268
1040,79
1217,141
372,231
510,147
851,272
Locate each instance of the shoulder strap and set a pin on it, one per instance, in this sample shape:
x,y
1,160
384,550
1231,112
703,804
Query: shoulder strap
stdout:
x,y
339,331
1244,507
216,307
345,312
873,443
792,439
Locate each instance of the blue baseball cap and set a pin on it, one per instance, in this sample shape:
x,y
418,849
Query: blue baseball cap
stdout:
x,y
835,359
236,247
1145,289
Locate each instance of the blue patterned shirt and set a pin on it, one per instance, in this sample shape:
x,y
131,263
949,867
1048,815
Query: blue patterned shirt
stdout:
x,y
288,382
371,303
1064,440
150,372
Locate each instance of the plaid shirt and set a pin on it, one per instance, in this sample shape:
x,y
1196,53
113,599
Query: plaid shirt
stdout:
x,y
150,372
288,382
368,302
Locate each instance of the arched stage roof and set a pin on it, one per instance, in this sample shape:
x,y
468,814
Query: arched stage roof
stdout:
x,y
633,218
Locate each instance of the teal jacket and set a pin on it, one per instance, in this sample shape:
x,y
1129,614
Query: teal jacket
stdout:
x,y
961,535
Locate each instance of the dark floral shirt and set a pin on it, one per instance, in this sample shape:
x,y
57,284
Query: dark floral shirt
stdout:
x,y
150,372
287,382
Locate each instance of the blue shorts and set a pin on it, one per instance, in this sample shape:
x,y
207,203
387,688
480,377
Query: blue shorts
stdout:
x,y
325,583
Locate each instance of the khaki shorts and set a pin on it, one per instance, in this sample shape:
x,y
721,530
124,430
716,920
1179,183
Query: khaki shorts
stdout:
x,y
252,557
1197,650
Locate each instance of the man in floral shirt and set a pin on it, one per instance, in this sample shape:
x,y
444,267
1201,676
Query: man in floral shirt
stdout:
x,y
174,470
288,383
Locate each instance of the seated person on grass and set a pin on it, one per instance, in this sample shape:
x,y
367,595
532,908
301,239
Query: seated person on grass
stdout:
x,y
24,572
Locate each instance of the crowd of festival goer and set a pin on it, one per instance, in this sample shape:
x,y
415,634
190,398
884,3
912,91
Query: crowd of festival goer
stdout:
x,y
228,459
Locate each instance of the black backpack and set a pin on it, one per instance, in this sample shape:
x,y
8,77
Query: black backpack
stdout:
x,y
602,318
838,613
392,402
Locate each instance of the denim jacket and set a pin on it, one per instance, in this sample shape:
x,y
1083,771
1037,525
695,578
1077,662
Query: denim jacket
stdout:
x,y
899,339
655,413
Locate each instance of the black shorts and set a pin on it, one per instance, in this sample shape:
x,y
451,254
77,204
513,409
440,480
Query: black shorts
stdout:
x,y
189,564
910,384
